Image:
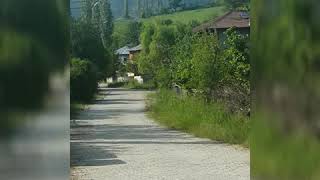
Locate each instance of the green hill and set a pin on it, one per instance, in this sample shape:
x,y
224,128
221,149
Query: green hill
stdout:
x,y
200,15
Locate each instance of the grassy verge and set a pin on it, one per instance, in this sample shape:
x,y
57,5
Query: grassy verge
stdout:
x,y
132,84
279,155
193,115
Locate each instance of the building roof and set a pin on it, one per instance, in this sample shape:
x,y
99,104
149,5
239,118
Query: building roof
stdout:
x,y
239,19
137,48
123,51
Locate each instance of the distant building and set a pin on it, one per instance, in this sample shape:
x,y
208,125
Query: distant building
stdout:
x,y
240,20
123,54
134,51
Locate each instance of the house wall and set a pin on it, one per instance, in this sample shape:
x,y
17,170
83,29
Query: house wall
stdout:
x,y
133,54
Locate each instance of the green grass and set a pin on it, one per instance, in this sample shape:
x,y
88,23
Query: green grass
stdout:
x,y
193,115
121,27
283,156
200,15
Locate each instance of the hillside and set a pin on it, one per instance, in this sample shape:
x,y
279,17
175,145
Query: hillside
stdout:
x,y
200,15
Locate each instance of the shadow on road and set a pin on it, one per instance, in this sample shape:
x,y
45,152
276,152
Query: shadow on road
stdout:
x,y
92,114
89,154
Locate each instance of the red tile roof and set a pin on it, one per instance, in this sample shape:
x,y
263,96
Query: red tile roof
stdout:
x,y
237,19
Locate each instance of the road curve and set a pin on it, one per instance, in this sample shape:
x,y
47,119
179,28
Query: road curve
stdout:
x,y
113,139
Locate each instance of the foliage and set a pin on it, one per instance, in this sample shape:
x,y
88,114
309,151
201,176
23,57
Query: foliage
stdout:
x,y
198,62
126,32
92,36
99,14
194,115
157,40
86,43
132,67
285,53
236,54
83,80
104,20
34,41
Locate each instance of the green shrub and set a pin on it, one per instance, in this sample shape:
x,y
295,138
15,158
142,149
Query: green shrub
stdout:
x,y
83,80
34,41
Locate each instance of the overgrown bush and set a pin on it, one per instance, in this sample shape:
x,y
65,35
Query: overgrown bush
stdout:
x,y
83,80
219,71
86,43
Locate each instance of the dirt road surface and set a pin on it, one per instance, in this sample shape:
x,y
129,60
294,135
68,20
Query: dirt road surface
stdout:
x,y
114,139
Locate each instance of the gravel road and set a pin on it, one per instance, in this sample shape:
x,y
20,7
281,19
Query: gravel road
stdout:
x,y
114,139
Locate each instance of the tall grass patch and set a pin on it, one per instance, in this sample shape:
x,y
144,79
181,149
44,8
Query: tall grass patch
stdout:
x,y
194,115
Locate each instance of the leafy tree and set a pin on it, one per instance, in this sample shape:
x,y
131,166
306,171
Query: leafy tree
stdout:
x,y
106,23
86,10
86,44
182,64
158,40
98,12
207,67
236,54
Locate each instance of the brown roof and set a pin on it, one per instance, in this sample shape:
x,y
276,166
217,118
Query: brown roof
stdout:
x,y
237,19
